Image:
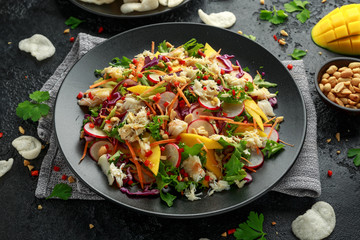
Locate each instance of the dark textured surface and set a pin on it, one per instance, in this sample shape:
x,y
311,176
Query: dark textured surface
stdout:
x,y
19,216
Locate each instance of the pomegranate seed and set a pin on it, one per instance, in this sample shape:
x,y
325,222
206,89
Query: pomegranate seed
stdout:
x,y
218,81
166,104
207,178
64,177
231,231
35,173
56,168
91,125
130,182
72,39
330,173
222,71
1,134
148,153
147,162
101,29
80,95
206,77
135,61
290,66
275,37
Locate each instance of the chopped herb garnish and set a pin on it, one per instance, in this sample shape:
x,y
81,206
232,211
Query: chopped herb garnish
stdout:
x,y
258,80
298,6
36,109
117,62
73,22
251,229
271,148
154,127
275,16
298,54
192,47
62,191
162,48
354,153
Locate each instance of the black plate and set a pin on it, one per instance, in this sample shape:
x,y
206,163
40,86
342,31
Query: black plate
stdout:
x,y
113,9
69,116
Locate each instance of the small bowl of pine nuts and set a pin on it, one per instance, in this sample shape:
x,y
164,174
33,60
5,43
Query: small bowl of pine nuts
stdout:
x,y
338,83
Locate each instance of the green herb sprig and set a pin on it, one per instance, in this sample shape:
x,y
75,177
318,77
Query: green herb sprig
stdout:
x,y
298,54
73,22
252,228
354,152
275,16
298,6
35,109
61,190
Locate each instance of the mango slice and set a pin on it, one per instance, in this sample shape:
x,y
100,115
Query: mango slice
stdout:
x,y
339,31
209,51
255,111
138,89
154,159
190,140
211,163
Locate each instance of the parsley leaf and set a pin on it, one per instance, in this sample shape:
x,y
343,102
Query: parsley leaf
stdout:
x,y
192,47
62,191
275,16
154,127
298,54
354,153
193,151
271,148
163,48
298,6
117,62
252,228
34,110
73,22
258,80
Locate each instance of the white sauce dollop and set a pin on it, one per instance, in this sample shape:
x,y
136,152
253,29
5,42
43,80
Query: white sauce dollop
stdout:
x,y
222,19
98,2
27,146
38,45
5,166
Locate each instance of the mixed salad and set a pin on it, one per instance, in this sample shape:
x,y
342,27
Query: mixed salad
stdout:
x,y
177,121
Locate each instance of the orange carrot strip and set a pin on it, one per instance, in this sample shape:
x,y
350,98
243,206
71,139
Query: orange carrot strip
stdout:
x,y
137,164
152,88
102,82
269,120
115,147
183,96
162,113
172,103
250,169
171,140
216,118
246,160
191,91
151,108
155,71
152,46
85,150
291,145
204,147
272,128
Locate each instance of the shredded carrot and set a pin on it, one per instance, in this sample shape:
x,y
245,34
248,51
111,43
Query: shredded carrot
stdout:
x,y
269,120
115,147
204,147
85,150
102,82
152,88
250,169
183,96
172,103
291,145
135,161
155,71
257,150
151,108
216,118
246,160
191,91
272,128
171,140
162,113
152,46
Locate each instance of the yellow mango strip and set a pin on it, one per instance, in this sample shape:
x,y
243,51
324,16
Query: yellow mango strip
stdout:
x,y
253,105
190,140
154,159
256,117
139,89
212,165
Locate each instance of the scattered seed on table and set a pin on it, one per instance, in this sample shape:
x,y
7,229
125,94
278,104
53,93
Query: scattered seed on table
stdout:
x,y
30,167
21,130
66,30
39,207
91,226
328,140
26,163
337,136
338,152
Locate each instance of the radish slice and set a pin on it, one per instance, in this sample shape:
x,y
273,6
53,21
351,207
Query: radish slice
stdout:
x,y
207,104
247,77
256,160
105,166
94,131
274,134
173,154
201,123
154,78
197,112
233,109
248,178
165,100
94,149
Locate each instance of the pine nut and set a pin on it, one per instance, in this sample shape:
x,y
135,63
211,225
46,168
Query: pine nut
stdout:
x,y
262,2
284,33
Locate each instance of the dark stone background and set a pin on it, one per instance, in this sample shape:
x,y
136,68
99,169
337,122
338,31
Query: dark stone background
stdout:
x,y
19,216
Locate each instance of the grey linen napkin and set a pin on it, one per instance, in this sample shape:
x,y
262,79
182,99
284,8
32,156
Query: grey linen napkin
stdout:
x,y
302,179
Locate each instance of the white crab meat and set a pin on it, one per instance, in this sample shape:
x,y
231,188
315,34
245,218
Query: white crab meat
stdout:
x,y
253,140
266,107
206,89
190,193
98,95
218,186
118,174
136,125
262,93
176,127
192,166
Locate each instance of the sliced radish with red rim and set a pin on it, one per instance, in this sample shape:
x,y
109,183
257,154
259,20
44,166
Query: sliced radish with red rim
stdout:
x,y
94,131
173,154
248,178
94,149
200,111
208,105
274,134
201,123
233,109
256,159
166,99
154,78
